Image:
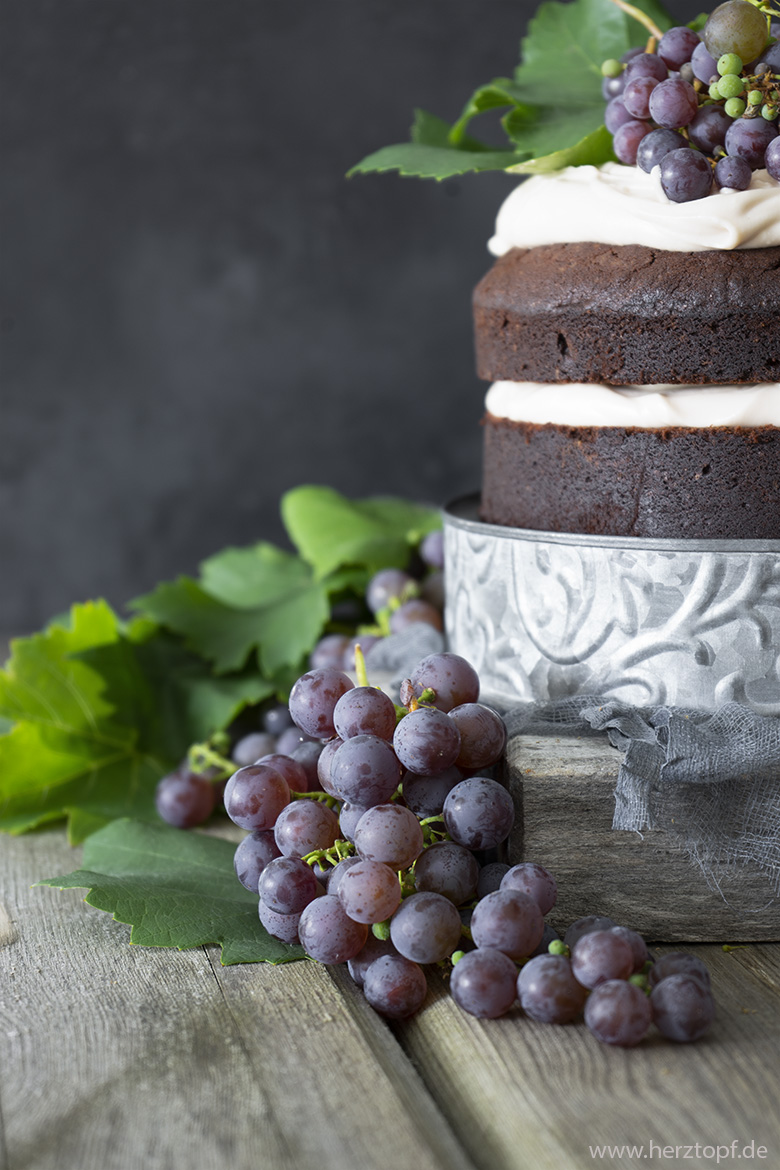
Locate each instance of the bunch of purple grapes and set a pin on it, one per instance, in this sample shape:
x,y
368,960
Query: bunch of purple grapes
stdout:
x,y
702,109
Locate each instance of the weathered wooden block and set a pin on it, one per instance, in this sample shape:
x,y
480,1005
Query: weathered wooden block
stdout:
x,y
564,795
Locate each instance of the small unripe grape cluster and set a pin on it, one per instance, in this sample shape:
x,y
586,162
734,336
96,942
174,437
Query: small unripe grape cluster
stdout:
x,y
704,110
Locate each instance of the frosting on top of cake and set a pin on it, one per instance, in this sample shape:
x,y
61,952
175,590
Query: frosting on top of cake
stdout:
x,y
615,204
579,404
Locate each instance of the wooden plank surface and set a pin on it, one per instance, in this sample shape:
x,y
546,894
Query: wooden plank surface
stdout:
x,y
564,794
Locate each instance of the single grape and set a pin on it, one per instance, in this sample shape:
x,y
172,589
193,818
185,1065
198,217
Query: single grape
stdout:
x,y
338,872
292,738
314,697
708,129
600,956
484,983
636,96
637,944
395,987
626,139
277,719
373,948
585,926
426,928
252,856
452,679
448,869
612,87
616,115
329,651
251,747
413,611
349,818
328,934
290,769
772,159
535,881
185,799
305,826
686,72
482,735
771,56
682,1007
281,926
307,756
646,65
733,172
432,549
509,921
490,876
324,764
287,885
618,1013
673,103
426,741
370,891
365,770
548,991
388,585
389,833
677,46
735,27
479,813
425,795
685,175
679,963
704,65
255,796
364,711
655,145
432,589
550,935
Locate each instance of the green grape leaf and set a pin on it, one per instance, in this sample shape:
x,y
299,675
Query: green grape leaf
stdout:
x,y
433,162
594,148
331,531
176,889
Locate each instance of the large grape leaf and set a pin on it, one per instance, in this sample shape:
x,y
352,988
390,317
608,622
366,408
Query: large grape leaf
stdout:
x,y
176,889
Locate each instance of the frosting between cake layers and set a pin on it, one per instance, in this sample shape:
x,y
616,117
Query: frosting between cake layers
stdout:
x,y
579,404
622,205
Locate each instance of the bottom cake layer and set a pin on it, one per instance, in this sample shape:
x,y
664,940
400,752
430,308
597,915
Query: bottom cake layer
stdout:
x,y
691,482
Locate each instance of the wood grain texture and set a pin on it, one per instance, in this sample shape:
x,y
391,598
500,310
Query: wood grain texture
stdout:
x,y
116,1057
564,794
528,1096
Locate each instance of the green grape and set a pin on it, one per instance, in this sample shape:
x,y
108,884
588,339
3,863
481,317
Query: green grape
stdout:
x,y
754,97
714,91
735,107
613,68
769,112
729,63
730,86
736,27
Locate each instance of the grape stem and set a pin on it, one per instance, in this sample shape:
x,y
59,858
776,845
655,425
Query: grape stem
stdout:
x,y
640,16
203,759
319,797
360,666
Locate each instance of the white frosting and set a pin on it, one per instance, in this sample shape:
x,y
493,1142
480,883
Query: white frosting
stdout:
x,y
578,404
616,204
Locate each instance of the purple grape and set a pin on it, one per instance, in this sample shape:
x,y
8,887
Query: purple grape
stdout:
x,y
452,679
388,585
637,944
673,103
251,747
655,145
426,741
612,87
646,65
373,948
448,869
679,963
305,826
432,549
616,115
277,719
482,735
550,935
324,764
426,928
281,926
415,611
771,57
734,172
314,697
535,881
509,921
548,991
708,129
705,67
432,589
307,756
626,139
292,738
584,926
772,158
685,175
185,799
490,877
287,885
328,934
389,833
256,796
252,856
425,795
369,891
349,818
636,96
749,138
329,652
479,813
677,46
682,1008
364,711
338,872
395,987
288,768
618,1013
484,983
600,956
365,770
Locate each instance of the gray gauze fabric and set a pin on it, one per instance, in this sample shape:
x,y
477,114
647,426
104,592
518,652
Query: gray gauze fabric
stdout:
x,y
711,780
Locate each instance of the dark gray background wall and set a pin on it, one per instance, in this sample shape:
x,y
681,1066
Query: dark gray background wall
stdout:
x,y
197,310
